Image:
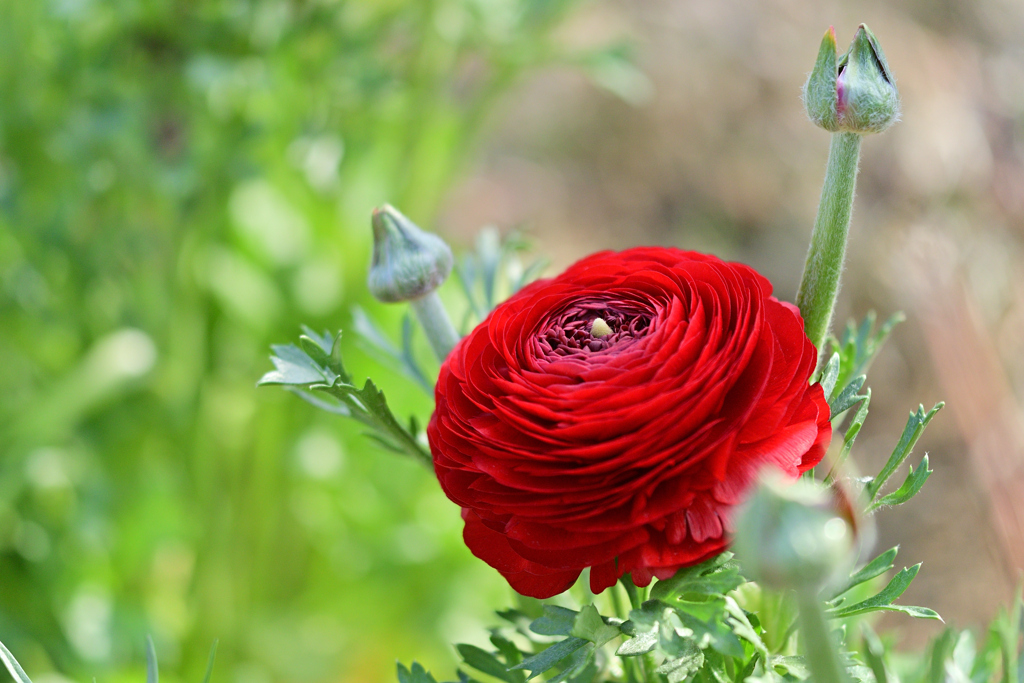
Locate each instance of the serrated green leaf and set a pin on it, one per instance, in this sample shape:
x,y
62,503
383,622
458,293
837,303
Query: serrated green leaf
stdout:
x,y
916,424
640,644
794,665
911,485
509,652
848,397
152,670
417,675
325,403
742,627
883,600
548,658
718,582
487,663
17,673
680,667
589,625
325,341
875,567
294,366
707,621
716,576
557,621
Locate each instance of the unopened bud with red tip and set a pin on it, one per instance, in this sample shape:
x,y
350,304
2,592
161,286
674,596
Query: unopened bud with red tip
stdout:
x,y
408,263
854,92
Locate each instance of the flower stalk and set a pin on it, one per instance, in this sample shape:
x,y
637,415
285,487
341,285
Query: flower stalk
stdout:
x,y
437,326
849,95
819,286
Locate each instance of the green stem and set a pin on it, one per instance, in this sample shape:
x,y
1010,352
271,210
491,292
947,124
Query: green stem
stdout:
x,y
819,286
822,657
436,324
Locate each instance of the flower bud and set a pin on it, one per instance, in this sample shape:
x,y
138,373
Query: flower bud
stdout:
x,y
408,263
792,536
854,92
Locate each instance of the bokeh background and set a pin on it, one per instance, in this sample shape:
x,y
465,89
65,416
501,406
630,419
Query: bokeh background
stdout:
x,y
184,183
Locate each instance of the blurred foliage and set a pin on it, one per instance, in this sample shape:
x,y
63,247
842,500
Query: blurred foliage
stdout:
x,y
181,184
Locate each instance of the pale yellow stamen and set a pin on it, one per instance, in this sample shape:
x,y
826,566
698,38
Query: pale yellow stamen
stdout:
x,y
599,328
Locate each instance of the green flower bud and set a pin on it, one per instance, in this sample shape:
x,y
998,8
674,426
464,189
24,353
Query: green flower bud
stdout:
x,y
854,92
408,263
795,536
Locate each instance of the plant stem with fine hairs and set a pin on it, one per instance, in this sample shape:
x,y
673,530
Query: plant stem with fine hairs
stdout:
x,y
436,324
819,286
822,658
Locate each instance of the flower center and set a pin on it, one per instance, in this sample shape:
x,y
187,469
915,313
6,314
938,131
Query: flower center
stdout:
x,y
591,327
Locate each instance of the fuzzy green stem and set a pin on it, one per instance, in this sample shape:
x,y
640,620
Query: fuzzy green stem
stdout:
x,y
819,286
436,324
822,657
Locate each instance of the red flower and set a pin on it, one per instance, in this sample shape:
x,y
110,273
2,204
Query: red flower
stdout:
x,y
614,416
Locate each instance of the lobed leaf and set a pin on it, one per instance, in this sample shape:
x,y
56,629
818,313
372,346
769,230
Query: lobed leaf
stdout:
x,y
417,675
487,663
716,576
640,644
851,435
882,601
848,397
557,621
589,625
911,485
872,569
551,656
916,424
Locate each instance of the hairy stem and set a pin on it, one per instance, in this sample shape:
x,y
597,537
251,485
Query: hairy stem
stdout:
x,y
819,286
822,657
436,324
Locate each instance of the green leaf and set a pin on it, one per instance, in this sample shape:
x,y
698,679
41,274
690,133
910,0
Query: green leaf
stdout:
x,y
848,397
883,600
548,658
911,485
916,424
209,662
591,626
557,621
487,663
417,675
875,567
742,627
716,576
17,673
509,652
294,366
680,667
707,621
152,670
851,435
874,654
829,376
640,644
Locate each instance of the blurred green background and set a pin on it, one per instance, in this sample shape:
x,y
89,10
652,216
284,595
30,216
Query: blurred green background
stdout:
x,y
183,183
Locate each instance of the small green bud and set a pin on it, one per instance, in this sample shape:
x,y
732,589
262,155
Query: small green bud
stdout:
x,y
791,536
854,92
408,263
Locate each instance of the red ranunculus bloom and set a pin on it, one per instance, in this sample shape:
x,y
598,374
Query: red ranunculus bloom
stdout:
x,y
622,444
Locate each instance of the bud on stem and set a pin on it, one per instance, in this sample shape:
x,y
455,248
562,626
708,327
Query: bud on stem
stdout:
x,y
849,95
409,265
